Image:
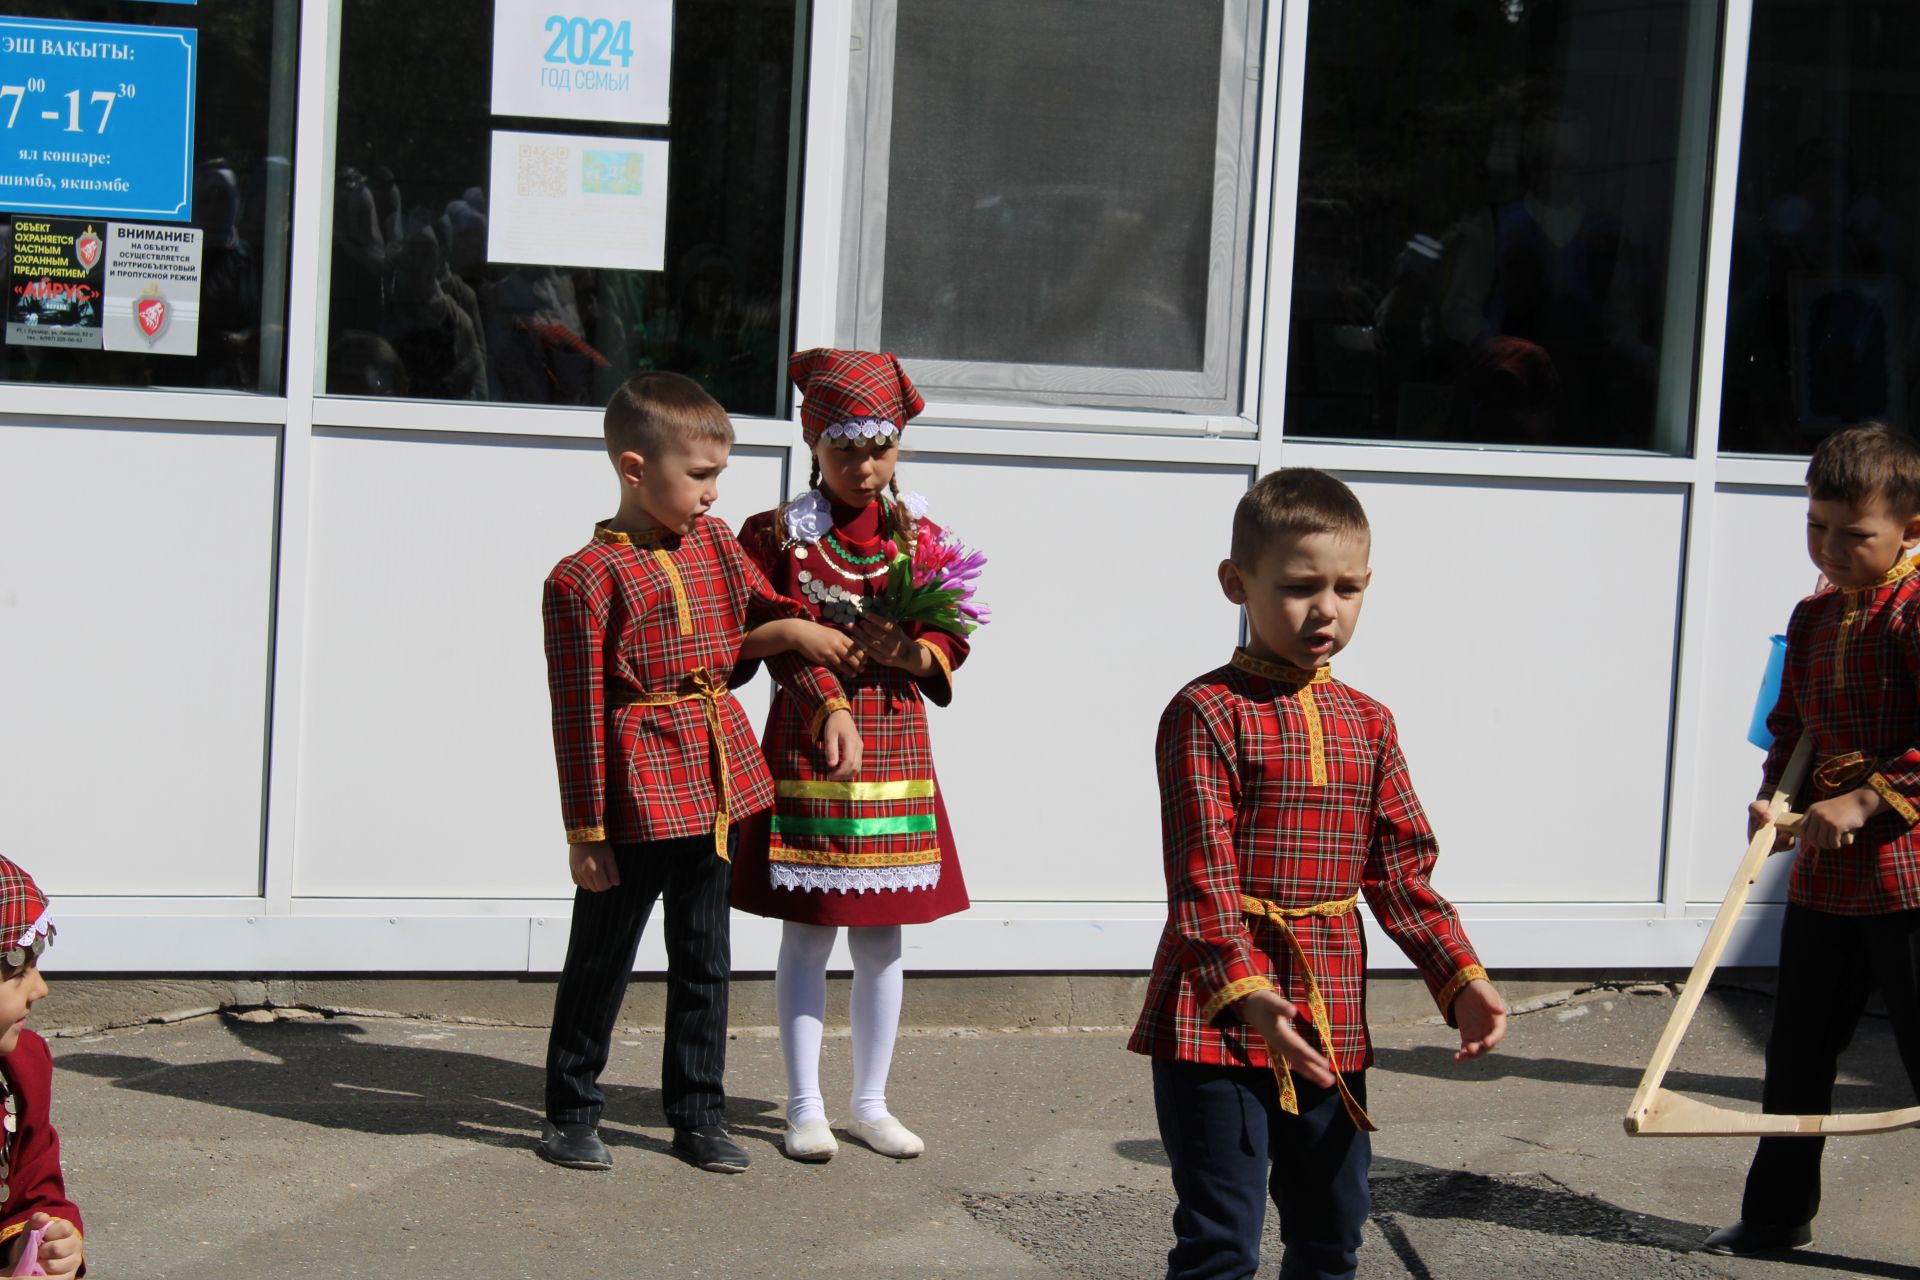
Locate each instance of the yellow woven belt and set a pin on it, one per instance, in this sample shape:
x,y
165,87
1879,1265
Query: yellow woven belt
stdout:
x,y
1277,916
710,690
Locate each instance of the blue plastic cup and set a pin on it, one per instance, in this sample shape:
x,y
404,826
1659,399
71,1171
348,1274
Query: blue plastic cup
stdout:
x,y
1757,732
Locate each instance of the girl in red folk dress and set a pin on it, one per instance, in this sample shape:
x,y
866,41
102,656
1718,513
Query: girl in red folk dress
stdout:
x,y
875,853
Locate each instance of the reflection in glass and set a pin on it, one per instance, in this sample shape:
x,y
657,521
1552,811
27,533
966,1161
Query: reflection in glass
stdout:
x,y
417,310
1501,206
1050,188
242,179
1821,307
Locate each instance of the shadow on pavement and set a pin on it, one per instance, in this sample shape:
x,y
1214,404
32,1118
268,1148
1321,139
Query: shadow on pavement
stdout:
x,y
1436,1062
328,1073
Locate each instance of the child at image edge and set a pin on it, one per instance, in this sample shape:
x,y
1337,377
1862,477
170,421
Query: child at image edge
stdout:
x,y
876,854
1283,799
1853,910
657,761
33,1191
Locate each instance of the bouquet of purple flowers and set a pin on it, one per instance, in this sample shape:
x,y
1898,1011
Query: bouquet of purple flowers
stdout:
x,y
934,586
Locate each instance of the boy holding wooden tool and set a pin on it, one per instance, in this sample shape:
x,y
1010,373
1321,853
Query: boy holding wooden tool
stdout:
x,y
1851,684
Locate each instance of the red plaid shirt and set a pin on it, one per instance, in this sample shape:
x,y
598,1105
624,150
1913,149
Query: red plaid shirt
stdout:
x,y
1288,787
625,621
1852,680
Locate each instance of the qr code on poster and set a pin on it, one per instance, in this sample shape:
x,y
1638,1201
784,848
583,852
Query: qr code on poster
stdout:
x,y
543,170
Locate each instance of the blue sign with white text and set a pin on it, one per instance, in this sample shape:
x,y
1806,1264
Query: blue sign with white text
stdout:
x,y
96,120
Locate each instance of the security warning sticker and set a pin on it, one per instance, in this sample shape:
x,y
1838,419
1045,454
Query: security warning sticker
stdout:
x,y
54,283
153,288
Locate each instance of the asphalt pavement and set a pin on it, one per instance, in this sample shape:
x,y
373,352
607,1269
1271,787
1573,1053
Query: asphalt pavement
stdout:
x,y
299,1145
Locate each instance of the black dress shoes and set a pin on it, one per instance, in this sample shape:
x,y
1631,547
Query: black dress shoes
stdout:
x,y
1742,1238
709,1147
574,1146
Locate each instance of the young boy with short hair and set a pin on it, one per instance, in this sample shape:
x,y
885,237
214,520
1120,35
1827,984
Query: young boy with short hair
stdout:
x,y
33,1190
1853,910
1284,799
657,761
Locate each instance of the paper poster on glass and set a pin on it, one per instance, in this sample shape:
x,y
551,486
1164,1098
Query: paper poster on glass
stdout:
x,y
153,289
54,283
563,201
606,60
96,120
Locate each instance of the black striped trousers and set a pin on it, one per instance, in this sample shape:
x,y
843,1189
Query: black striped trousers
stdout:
x,y
600,953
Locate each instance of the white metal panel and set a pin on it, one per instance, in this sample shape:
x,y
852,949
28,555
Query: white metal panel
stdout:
x,y
427,757
405,937
135,600
1760,571
1101,579
1523,634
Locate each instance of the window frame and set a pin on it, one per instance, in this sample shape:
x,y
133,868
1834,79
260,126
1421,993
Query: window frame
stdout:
x,y
1221,388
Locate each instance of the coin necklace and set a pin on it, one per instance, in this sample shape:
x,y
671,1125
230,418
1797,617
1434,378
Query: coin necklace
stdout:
x,y
12,1123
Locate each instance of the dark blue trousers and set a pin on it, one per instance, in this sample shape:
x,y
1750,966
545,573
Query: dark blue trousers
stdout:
x,y
600,952
1232,1147
1829,965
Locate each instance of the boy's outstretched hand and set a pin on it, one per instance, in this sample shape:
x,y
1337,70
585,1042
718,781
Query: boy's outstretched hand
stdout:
x,y
841,741
60,1248
1481,1015
1271,1014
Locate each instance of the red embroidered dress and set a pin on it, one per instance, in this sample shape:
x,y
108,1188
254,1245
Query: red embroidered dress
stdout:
x,y
877,850
1852,680
1283,799
641,636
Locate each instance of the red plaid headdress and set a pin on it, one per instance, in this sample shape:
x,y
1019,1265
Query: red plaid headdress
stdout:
x,y
25,929
852,394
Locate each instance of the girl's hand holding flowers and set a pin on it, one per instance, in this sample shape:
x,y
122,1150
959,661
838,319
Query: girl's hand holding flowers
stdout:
x,y
887,642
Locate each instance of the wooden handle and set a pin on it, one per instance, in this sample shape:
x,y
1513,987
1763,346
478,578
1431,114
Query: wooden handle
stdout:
x,y
1789,823
1758,851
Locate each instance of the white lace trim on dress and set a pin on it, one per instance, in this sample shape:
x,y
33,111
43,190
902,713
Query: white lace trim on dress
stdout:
x,y
787,875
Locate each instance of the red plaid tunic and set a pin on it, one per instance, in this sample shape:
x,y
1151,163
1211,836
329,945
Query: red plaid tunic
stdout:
x,y
888,871
1289,787
625,621
1852,680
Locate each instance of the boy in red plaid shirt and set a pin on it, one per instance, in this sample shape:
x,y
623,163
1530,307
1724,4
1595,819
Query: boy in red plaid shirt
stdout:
x,y
1852,681
657,761
1283,799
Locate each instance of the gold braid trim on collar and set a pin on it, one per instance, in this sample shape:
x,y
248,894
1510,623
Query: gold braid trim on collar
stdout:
x,y
1282,672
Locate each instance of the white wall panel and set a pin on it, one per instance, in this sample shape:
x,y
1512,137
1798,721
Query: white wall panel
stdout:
x,y
1523,632
1760,571
426,766
135,602
1101,579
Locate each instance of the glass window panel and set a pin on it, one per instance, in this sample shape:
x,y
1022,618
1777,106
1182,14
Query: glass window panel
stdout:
x,y
418,310
1065,150
1821,305
1055,201
1501,212
241,166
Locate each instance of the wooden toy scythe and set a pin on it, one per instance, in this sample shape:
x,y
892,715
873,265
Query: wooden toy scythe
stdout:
x,y
1660,1113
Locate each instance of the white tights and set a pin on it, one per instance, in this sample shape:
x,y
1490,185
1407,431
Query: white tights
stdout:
x,y
800,992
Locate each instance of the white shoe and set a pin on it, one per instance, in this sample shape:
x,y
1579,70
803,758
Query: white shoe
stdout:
x,y
812,1142
888,1136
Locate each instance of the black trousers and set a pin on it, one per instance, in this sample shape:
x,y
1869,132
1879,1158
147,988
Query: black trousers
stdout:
x,y
1829,965
1232,1147
600,953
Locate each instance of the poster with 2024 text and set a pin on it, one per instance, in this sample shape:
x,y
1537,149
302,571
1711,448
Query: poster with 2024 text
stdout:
x,y
605,60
